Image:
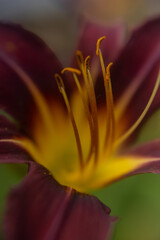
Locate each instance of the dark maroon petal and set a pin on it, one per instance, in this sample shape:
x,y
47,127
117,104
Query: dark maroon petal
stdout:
x,y
8,129
11,152
37,61
150,151
41,209
138,64
111,45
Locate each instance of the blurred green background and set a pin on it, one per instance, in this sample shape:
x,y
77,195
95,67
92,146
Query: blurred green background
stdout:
x,y
135,200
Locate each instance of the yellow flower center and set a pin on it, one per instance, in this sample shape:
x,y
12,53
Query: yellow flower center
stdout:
x,y
80,148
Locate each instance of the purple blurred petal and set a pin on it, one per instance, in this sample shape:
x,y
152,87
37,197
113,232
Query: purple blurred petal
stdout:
x,y
36,60
149,149
115,36
137,67
42,209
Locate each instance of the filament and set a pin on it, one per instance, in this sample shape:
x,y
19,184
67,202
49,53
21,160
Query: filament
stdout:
x,y
93,106
84,67
80,90
75,129
139,120
110,118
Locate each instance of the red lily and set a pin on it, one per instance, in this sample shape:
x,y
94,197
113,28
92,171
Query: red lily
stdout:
x,y
41,126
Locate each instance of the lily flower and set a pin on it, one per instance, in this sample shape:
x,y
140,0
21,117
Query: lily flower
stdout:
x,y
74,127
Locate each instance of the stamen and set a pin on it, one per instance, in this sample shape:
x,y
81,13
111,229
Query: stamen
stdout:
x,y
110,118
85,107
73,70
93,104
139,120
75,129
34,91
84,67
60,82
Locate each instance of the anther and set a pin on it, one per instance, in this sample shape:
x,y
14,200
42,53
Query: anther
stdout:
x,y
87,62
59,82
98,44
108,75
72,70
108,79
99,53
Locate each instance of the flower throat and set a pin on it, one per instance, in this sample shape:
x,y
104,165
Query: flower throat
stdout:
x,y
98,163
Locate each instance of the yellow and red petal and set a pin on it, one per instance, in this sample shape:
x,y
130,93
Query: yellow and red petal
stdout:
x,y
151,153
144,158
41,209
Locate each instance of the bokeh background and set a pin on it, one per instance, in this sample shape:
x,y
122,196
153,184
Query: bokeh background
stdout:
x,y
135,200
